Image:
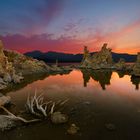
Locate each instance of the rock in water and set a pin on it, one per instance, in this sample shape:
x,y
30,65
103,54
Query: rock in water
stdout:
x,y
110,126
12,63
6,123
58,118
26,65
73,129
5,100
136,68
7,70
120,65
101,59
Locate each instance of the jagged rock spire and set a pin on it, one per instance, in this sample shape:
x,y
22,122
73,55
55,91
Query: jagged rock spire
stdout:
x,y
101,59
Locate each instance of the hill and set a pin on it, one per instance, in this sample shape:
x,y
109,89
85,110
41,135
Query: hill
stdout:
x,y
64,57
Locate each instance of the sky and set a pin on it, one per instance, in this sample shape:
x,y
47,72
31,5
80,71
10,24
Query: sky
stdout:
x,y
68,25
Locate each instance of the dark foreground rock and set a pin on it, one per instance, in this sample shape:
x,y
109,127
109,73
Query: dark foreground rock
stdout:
x,y
4,100
7,123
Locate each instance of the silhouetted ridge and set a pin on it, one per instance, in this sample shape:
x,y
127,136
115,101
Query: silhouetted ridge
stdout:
x,y
65,57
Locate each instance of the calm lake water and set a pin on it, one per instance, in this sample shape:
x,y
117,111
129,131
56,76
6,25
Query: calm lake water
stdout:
x,y
96,99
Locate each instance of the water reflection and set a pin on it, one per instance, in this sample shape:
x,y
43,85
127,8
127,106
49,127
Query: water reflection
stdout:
x,y
101,76
29,79
91,107
104,77
135,81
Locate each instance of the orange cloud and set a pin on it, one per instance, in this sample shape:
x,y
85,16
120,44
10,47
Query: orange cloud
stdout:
x,y
124,40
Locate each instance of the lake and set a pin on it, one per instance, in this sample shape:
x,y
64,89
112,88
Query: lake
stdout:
x,y
96,99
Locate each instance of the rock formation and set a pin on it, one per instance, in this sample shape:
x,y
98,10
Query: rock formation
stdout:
x,y
101,59
13,65
136,67
7,71
120,65
4,100
86,62
24,64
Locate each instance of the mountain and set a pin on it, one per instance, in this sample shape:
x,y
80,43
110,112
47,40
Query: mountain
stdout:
x,y
64,57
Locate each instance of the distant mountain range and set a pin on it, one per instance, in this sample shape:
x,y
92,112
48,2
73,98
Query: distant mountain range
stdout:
x,y
64,57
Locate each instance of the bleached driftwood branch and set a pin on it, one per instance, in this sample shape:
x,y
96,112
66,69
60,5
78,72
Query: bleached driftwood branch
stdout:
x,y
14,117
36,105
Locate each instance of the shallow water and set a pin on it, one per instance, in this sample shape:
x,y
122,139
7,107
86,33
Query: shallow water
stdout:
x,y
96,98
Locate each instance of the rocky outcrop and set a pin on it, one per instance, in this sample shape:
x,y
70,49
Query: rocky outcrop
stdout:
x,y
120,65
101,59
7,70
136,67
24,64
15,66
4,100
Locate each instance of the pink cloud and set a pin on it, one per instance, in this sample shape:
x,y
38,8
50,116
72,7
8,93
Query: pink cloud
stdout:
x,y
43,42
70,44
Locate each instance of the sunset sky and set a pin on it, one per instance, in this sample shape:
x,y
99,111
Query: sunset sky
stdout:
x,y
68,25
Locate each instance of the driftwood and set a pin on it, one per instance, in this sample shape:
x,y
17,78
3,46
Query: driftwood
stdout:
x,y
36,106
14,117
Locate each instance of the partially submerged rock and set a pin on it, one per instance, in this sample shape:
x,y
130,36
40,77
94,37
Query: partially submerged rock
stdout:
x,y
8,73
59,118
120,65
110,126
73,129
26,65
136,67
6,123
4,100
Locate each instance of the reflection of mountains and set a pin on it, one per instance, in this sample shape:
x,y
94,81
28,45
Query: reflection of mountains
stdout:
x,y
104,77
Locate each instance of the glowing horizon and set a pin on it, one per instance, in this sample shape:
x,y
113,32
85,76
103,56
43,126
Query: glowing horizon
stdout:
x,y
67,26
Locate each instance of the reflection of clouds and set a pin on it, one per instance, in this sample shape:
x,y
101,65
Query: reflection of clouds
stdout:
x,y
120,92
